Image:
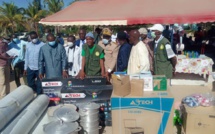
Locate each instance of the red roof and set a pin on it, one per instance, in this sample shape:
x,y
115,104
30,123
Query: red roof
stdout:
x,y
130,12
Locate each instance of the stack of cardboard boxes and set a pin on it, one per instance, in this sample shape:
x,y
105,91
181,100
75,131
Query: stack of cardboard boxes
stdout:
x,y
137,109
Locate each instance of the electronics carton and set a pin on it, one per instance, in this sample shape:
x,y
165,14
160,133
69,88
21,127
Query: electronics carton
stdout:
x,y
150,114
159,83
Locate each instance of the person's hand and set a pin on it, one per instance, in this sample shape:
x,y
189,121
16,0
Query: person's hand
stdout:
x,y
152,72
107,75
173,72
25,72
65,75
78,75
41,76
104,74
82,75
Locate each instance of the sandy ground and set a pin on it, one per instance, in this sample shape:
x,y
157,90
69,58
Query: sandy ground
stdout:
x,y
13,84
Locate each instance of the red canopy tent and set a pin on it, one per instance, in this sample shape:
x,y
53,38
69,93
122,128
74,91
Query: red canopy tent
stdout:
x,y
132,12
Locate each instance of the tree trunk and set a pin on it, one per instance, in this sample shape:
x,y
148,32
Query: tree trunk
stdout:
x,y
36,27
12,27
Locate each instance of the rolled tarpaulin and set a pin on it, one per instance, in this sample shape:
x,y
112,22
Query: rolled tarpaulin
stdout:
x,y
13,103
27,119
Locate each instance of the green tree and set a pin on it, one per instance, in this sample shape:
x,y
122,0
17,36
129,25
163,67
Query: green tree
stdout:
x,y
54,5
10,17
38,4
33,15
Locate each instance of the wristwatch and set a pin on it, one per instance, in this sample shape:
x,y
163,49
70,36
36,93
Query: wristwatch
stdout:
x,y
64,70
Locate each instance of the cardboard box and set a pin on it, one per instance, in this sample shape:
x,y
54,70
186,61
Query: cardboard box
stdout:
x,y
148,80
199,120
88,94
52,88
70,92
160,83
150,114
121,84
136,87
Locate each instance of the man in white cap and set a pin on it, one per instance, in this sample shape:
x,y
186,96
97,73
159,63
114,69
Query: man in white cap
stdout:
x,y
164,57
143,35
92,59
148,43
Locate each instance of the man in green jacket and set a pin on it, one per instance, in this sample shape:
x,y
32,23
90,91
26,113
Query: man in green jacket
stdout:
x,y
164,58
92,59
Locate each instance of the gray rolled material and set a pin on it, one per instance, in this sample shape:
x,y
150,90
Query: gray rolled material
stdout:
x,y
26,120
13,103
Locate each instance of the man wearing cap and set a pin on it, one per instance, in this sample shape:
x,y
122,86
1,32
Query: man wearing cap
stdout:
x,y
111,51
4,68
164,57
124,52
139,59
148,43
92,59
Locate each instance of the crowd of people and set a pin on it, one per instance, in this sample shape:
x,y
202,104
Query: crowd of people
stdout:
x,y
198,39
93,54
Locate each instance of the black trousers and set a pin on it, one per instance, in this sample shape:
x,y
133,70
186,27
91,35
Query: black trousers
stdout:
x,y
18,72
